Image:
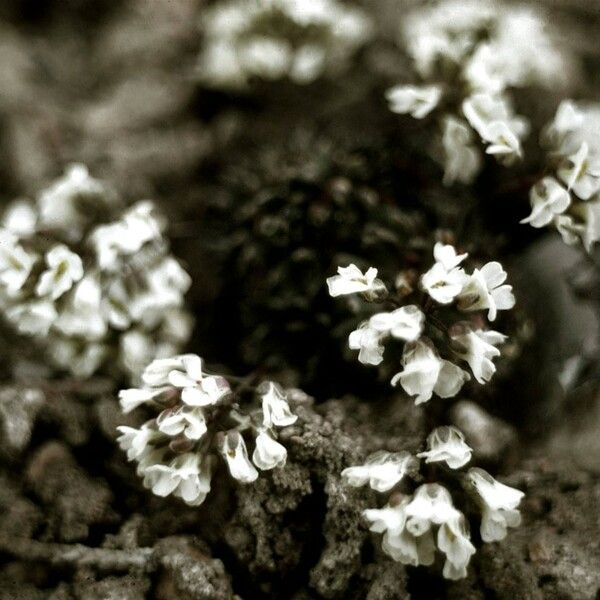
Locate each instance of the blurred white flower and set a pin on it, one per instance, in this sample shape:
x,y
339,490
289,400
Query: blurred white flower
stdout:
x,y
34,317
484,290
404,323
235,453
583,224
20,218
462,160
382,470
351,280
275,407
581,172
268,453
368,341
15,263
64,269
499,504
548,198
478,348
425,373
418,101
447,444
135,441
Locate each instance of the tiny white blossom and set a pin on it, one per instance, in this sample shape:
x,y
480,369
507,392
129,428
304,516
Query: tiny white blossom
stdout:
x,y
82,359
131,398
431,505
235,453
368,341
33,318
425,373
582,225
15,263
268,453
275,407
64,269
135,441
462,160
499,504
404,323
478,348
184,419
20,218
548,198
447,444
453,540
351,280
484,290
418,101
503,142
445,280
568,119
187,476
382,470
581,172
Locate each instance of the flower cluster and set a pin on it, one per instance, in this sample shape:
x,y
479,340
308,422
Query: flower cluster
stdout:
x,y
446,286
414,524
199,420
467,55
93,281
298,39
569,199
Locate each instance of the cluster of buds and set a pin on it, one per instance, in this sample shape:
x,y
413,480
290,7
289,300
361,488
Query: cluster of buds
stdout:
x,y
91,280
199,420
570,199
297,39
466,55
416,522
446,289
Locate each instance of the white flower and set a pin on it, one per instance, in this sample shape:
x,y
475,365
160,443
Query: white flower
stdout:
x,y
425,372
567,120
81,358
125,237
398,542
235,453
582,225
447,444
499,504
82,316
185,372
131,398
64,269
275,408
184,419
135,441
419,101
431,505
268,453
15,263
484,290
187,476
368,342
404,323
462,160
350,280
493,120
33,318
581,172
20,218
445,280
265,57
548,198
66,204
453,540
478,348
382,470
